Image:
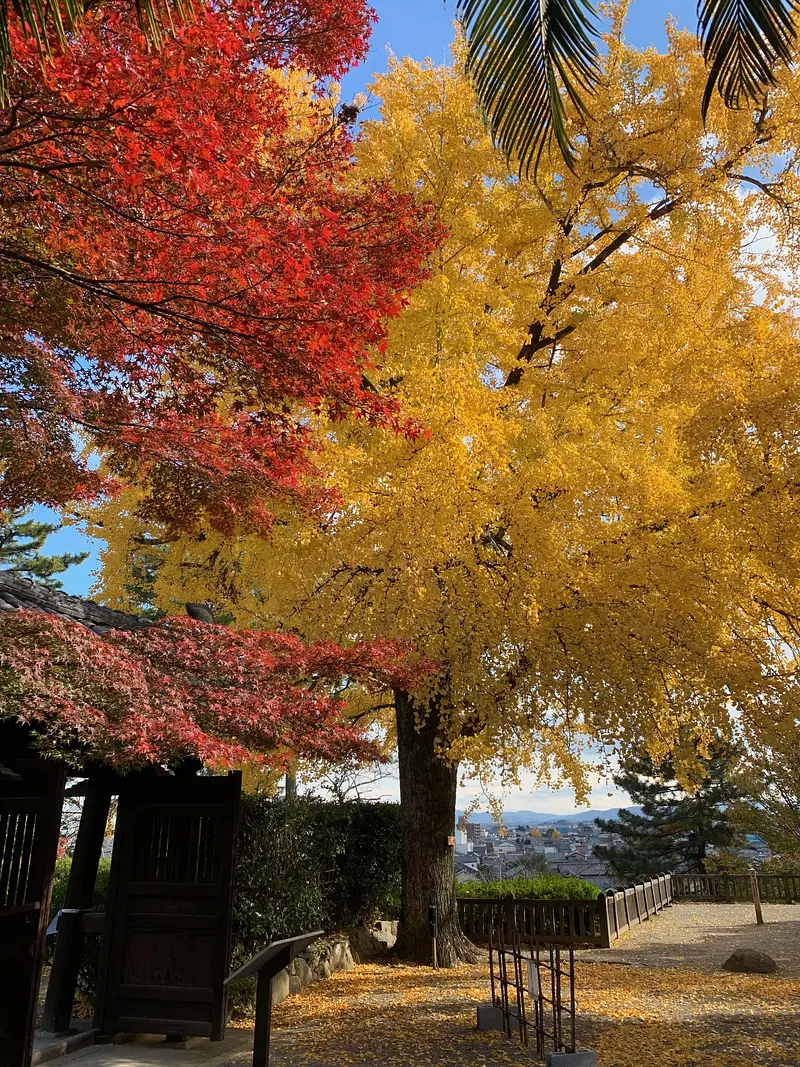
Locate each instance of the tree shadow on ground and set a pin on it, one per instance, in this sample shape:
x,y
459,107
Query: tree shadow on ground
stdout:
x,y
634,1016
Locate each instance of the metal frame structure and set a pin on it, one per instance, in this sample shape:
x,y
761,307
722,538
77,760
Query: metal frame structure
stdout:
x,y
533,984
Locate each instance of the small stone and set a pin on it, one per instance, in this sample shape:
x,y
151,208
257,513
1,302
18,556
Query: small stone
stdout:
x,y
295,985
750,961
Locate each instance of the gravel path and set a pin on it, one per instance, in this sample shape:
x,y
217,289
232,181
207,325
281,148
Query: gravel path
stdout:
x,y
702,936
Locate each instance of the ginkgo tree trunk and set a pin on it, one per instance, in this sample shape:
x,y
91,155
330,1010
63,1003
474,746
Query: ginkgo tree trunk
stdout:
x,y
596,539
428,786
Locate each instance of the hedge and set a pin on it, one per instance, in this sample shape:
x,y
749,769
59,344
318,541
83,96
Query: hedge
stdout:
x,y
87,976
305,864
542,887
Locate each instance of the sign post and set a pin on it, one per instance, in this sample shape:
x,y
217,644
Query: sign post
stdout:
x,y
433,922
266,965
756,896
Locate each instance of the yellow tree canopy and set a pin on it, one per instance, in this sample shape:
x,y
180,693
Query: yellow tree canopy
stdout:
x,y
597,539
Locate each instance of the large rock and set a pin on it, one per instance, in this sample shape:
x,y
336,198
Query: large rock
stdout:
x,y
303,971
280,987
372,942
750,961
341,958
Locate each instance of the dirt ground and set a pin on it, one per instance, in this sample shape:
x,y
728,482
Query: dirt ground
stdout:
x,y
658,999
702,936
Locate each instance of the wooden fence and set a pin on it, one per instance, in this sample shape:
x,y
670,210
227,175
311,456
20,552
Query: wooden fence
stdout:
x,y
603,920
566,922
560,922
735,888
625,908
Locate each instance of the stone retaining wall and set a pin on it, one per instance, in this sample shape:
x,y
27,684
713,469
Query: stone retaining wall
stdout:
x,y
322,959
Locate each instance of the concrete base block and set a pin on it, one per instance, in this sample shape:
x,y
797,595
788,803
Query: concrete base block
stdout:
x,y
491,1018
571,1059
181,1044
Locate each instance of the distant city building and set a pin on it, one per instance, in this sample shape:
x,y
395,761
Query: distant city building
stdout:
x,y
476,833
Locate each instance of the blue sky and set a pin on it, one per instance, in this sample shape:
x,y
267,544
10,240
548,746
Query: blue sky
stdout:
x,y
422,29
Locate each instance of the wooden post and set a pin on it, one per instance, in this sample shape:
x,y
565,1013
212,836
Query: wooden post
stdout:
x,y
756,896
263,1018
80,888
605,926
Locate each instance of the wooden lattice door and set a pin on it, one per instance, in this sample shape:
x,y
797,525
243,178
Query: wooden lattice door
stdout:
x,y
30,822
167,931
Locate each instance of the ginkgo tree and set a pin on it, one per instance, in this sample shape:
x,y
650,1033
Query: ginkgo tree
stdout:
x,y
596,541
533,61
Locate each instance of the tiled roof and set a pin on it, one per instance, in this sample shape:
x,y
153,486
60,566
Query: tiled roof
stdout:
x,y
16,593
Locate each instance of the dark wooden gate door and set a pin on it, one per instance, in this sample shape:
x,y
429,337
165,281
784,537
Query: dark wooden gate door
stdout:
x,y
167,930
30,823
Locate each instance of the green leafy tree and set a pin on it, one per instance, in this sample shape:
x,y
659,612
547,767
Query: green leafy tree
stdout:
x,y
770,779
22,539
529,60
677,829
530,866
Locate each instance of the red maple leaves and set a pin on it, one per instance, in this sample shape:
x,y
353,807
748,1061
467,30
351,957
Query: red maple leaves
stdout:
x,y
186,270
183,688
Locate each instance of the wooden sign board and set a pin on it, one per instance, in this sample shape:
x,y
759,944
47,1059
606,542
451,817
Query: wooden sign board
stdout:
x,y
266,965
291,947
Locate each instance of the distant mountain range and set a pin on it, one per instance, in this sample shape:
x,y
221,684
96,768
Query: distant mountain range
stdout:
x,y
536,818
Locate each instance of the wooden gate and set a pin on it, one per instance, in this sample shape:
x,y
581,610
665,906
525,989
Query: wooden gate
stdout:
x,y
167,931
30,822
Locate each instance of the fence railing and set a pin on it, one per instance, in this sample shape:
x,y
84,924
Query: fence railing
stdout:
x,y
560,922
603,920
625,908
736,888
589,923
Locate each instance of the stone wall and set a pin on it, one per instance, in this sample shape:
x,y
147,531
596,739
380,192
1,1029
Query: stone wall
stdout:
x,y
322,959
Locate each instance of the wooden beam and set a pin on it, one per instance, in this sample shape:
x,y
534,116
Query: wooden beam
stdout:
x,y
70,942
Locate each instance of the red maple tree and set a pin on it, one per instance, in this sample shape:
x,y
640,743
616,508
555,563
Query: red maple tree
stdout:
x,y
183,688
186,269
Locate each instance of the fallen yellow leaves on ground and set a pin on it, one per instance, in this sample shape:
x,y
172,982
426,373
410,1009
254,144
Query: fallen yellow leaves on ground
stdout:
x,y
633,1016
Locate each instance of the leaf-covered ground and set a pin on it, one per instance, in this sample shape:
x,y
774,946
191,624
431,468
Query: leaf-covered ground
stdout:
x,y
382,1016
633,1011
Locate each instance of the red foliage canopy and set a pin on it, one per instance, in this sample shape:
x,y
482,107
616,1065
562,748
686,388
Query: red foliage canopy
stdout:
x,y
183,688
184,270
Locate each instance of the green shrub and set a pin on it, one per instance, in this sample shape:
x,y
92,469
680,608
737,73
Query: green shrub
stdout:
x,y
63,867
542,887
306,864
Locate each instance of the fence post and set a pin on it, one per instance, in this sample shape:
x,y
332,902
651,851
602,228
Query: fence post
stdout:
x,y
605,929
756,895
